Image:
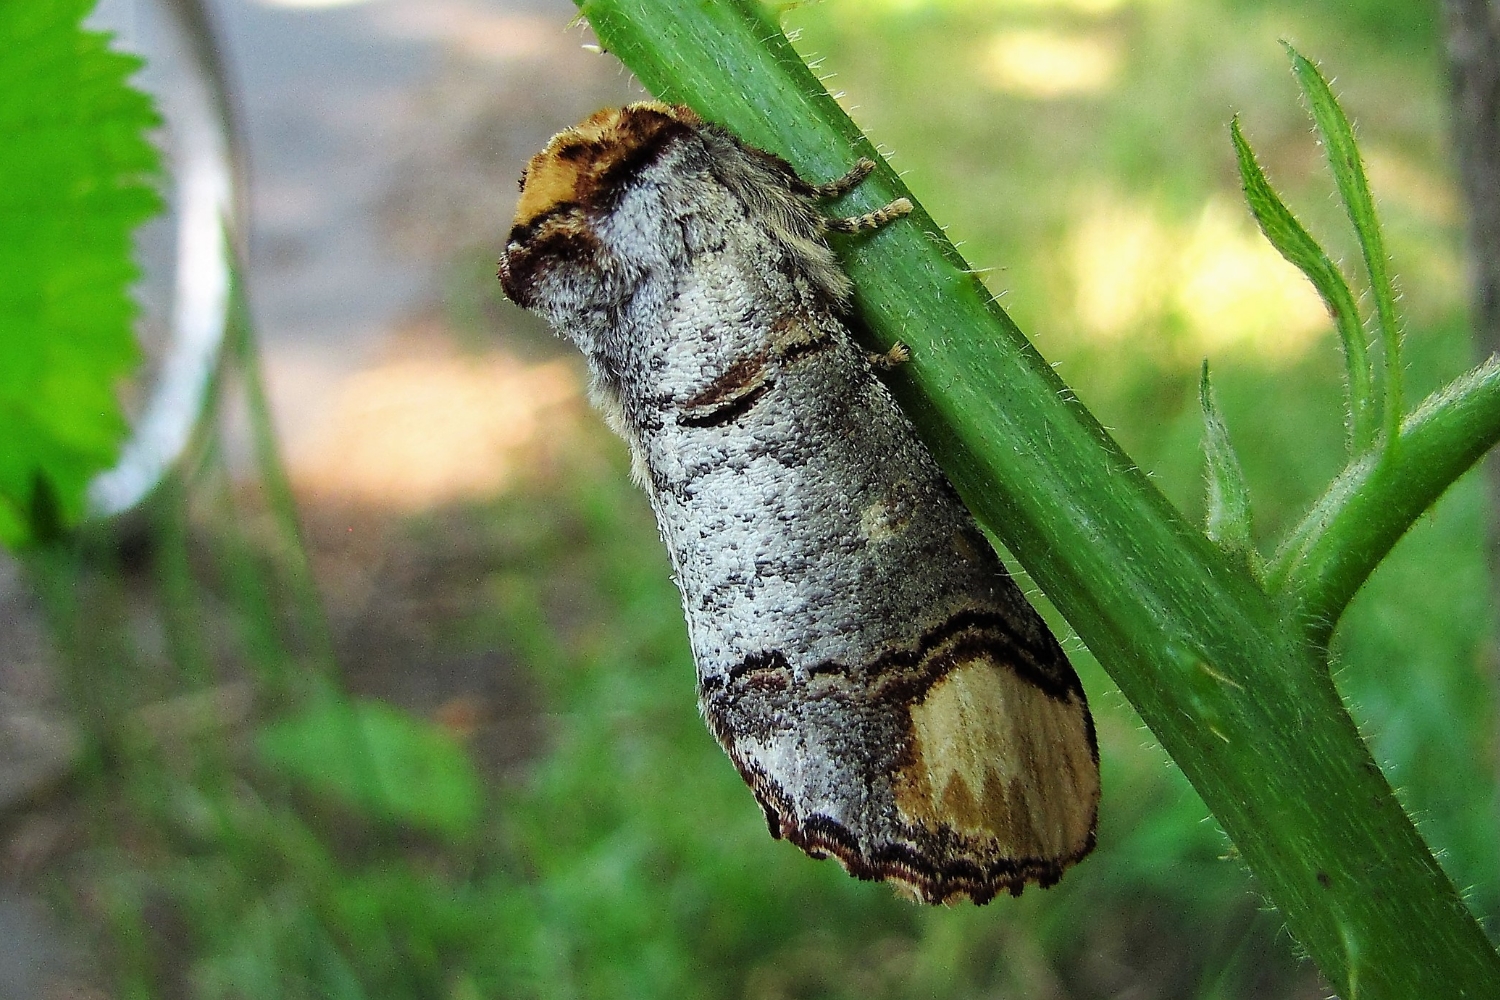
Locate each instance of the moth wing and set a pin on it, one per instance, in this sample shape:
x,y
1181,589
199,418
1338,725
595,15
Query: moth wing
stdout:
x,y
957,775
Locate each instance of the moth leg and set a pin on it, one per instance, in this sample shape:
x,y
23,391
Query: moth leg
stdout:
x,y
870,220
840,186
899,354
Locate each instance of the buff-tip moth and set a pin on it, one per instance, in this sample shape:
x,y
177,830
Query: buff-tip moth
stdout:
x,y
880,682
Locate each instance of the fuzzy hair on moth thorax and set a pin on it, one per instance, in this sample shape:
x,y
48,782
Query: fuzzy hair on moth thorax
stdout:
x,y
862,656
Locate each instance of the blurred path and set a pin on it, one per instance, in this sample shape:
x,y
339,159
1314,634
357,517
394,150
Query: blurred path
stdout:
x,y
384,139
360,117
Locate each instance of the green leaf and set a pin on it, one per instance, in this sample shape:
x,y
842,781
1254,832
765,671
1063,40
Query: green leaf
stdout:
x,y
75,180
1354,190
386,763
1294,243
1228,495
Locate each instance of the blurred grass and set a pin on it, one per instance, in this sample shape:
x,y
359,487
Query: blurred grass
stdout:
x,y
252,856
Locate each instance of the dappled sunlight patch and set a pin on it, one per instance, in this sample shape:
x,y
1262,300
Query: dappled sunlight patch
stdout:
x,y
478,30
1093,7
1235,290
1116,252
1045,63
311,4
1072,6
1399,180
436,426
1213,282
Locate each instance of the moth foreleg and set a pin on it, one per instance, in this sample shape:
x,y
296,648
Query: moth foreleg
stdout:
x,y
870,220
898,354
840,186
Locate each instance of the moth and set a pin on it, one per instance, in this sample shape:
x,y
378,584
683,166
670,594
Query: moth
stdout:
x,y
876,677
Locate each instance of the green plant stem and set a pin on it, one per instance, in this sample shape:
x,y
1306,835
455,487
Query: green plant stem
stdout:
x,y
1245,706
1376,499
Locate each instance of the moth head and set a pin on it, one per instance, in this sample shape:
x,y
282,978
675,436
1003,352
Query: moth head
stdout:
x,y
556,259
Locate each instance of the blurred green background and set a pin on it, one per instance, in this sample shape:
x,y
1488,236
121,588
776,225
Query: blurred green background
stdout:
x,y
439,741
